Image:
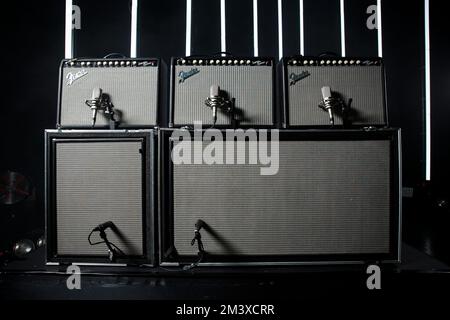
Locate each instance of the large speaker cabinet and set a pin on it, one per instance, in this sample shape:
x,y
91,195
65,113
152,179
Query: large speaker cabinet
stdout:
x,y
135,87
248,83
334,199
93,177
358,83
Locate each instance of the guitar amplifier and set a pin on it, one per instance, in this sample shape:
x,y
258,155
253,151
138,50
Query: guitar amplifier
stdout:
x,y
94,177
133,87
327,196
357,88
246,84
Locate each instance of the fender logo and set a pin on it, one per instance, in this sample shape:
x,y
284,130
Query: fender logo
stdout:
x,y
72,77
297,77
183,75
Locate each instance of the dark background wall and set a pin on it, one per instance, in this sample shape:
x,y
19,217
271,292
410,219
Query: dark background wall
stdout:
x,y
33,45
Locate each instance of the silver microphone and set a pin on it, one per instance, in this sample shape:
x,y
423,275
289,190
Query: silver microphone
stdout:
x,y
216,101
214,95
95,103
328,103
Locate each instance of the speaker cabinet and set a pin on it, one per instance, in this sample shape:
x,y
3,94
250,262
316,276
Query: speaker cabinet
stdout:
x,y
334,198
133,86
248,83
93,177
358,83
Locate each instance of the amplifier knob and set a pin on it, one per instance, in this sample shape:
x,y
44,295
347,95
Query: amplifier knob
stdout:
x,y
217,61
224,61
340,62
311,62
122,63
345,62
322,62
305,62
128,63
328,62
248,62
230,62
194,62
200,61
241,61
235,62
294,62
88,63
110,63
352,62
183,61
358,62
105,63
82,63
134,63
211,61
334,62
116,63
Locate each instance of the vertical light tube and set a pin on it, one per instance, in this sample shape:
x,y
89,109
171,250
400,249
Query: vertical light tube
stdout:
x,y
302,29
255,29
427,93
68,52
379,29
134,22
342,10
223,42
280,29
188,26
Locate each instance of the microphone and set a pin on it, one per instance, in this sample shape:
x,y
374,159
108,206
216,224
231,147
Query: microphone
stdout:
x,y
95,103
216,101
328,103
103,226
214,94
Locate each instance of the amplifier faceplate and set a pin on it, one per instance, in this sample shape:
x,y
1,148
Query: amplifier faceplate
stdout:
x,y
250,85
360,87
330,197
132,89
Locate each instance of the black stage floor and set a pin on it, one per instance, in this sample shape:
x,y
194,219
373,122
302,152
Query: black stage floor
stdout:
x,y
31,280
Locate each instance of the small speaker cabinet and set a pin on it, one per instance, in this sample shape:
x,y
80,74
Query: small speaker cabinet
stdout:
x,y
329,197
357,87
134,87
97,176
246,83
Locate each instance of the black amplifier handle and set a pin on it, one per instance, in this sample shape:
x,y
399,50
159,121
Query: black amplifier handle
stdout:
x,y
115,55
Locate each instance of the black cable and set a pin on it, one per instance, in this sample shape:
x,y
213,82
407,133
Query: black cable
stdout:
x,y
106,241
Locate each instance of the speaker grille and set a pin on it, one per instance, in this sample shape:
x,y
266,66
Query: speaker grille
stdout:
x,y
132,90
363,85
251,86
329,197
98,182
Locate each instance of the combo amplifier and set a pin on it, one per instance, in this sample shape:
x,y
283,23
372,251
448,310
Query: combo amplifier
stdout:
x,y
222,91
331,91
321,196
99,93
100,196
